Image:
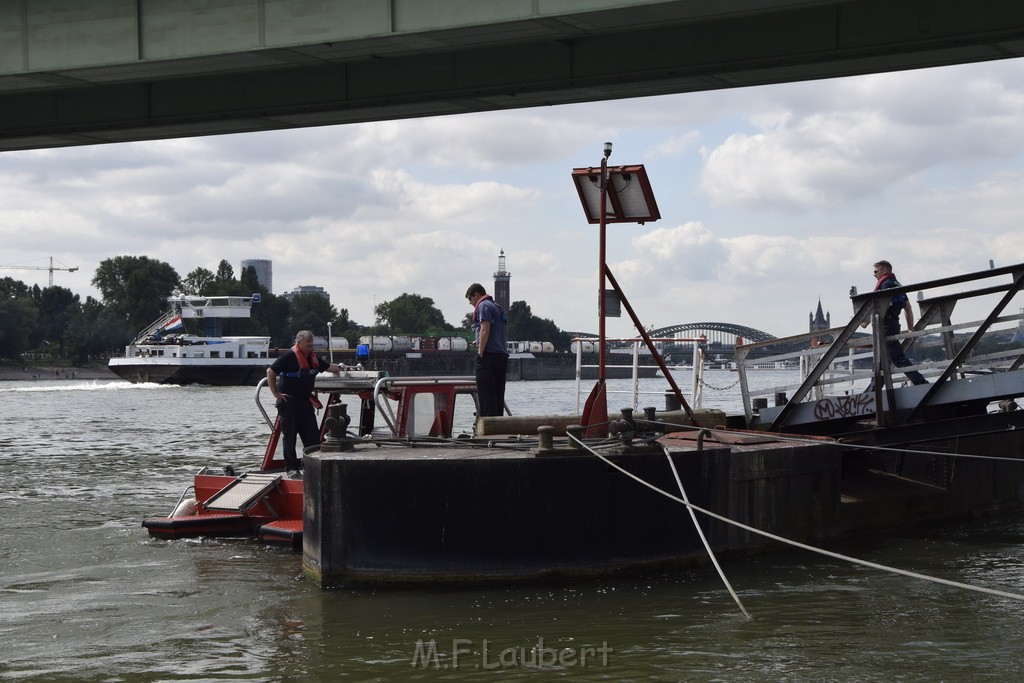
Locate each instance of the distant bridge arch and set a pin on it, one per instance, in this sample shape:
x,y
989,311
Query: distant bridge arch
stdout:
x,y
725,333
720,335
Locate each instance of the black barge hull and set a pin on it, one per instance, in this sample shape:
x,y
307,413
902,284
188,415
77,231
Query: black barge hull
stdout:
x,y
445,515
213,375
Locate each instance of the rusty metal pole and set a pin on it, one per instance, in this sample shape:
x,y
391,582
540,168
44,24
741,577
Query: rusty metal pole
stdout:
x,y
595,410
602,258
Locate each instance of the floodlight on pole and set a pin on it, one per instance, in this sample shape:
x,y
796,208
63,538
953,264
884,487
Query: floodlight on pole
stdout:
x,y
630,197
617,194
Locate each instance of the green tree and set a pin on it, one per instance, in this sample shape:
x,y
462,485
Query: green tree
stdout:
x,y
343,326
95,331
199,281
250,280
311,312
275,312
136,287
523,325
225,273
57,306
12,289
412,314
19,320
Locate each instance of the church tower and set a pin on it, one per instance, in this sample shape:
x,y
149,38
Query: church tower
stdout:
x,y
819,321
501,293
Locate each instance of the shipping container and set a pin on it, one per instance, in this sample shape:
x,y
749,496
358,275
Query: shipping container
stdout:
x,y
452,344
377,342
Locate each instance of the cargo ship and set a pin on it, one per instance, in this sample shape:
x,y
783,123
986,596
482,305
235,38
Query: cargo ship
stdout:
x,y
165,353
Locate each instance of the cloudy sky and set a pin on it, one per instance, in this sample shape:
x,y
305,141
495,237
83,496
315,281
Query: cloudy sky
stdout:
x,y
771,198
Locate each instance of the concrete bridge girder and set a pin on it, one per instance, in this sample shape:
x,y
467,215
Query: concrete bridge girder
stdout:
x,y
119,70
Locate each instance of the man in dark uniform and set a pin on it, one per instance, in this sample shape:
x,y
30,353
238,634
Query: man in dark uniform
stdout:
x,y
291,379
900,303
489,322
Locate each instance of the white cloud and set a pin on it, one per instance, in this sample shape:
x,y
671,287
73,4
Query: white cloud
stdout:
x,y
675,145
864,136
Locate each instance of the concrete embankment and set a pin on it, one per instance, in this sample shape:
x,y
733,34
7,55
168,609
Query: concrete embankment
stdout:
x,y
23,372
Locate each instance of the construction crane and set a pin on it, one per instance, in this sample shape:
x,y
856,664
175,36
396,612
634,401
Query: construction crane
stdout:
x,y
50,268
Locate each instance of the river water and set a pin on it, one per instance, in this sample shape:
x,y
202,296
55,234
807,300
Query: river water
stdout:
x,y
86,595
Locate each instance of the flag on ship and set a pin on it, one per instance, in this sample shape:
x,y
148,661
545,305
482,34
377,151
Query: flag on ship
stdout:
x,y
174,324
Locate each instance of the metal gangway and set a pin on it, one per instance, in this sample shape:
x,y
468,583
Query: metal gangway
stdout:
x,y
846,373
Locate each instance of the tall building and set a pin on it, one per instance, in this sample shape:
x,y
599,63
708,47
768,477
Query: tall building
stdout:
x,y
264,271
502,295
307,289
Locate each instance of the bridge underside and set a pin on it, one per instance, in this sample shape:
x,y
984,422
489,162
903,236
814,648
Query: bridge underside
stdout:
x,y
143,89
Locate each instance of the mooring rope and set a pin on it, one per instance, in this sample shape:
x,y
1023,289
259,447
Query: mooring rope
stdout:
x,y
703,538
804,546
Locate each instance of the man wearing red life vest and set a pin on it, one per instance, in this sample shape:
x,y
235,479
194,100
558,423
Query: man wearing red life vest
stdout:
x,y
291,378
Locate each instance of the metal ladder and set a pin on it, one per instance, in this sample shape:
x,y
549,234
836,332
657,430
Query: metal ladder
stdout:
x,y
244,493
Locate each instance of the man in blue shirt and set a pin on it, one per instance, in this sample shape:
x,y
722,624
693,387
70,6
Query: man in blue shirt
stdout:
x,y
490,326
899,303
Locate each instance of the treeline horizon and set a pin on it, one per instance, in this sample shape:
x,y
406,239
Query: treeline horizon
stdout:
x,y
134,292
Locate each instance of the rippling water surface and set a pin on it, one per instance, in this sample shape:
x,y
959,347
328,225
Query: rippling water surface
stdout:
x,y
85,594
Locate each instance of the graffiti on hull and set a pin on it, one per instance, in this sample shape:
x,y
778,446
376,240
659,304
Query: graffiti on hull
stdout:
x,y
835,407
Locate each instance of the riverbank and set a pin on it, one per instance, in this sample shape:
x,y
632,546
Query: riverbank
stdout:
x,y
21,372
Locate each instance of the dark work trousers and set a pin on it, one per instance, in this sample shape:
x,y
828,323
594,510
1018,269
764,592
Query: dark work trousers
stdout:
x,y
490,383
297,419
896,355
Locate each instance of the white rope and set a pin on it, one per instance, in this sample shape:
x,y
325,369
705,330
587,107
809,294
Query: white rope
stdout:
x,y
798,544
703,538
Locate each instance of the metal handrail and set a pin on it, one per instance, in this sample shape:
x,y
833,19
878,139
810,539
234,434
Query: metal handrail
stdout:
x,y
259,404
190,487
697,371
388,416
380,386
845,376
934,319
388,383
